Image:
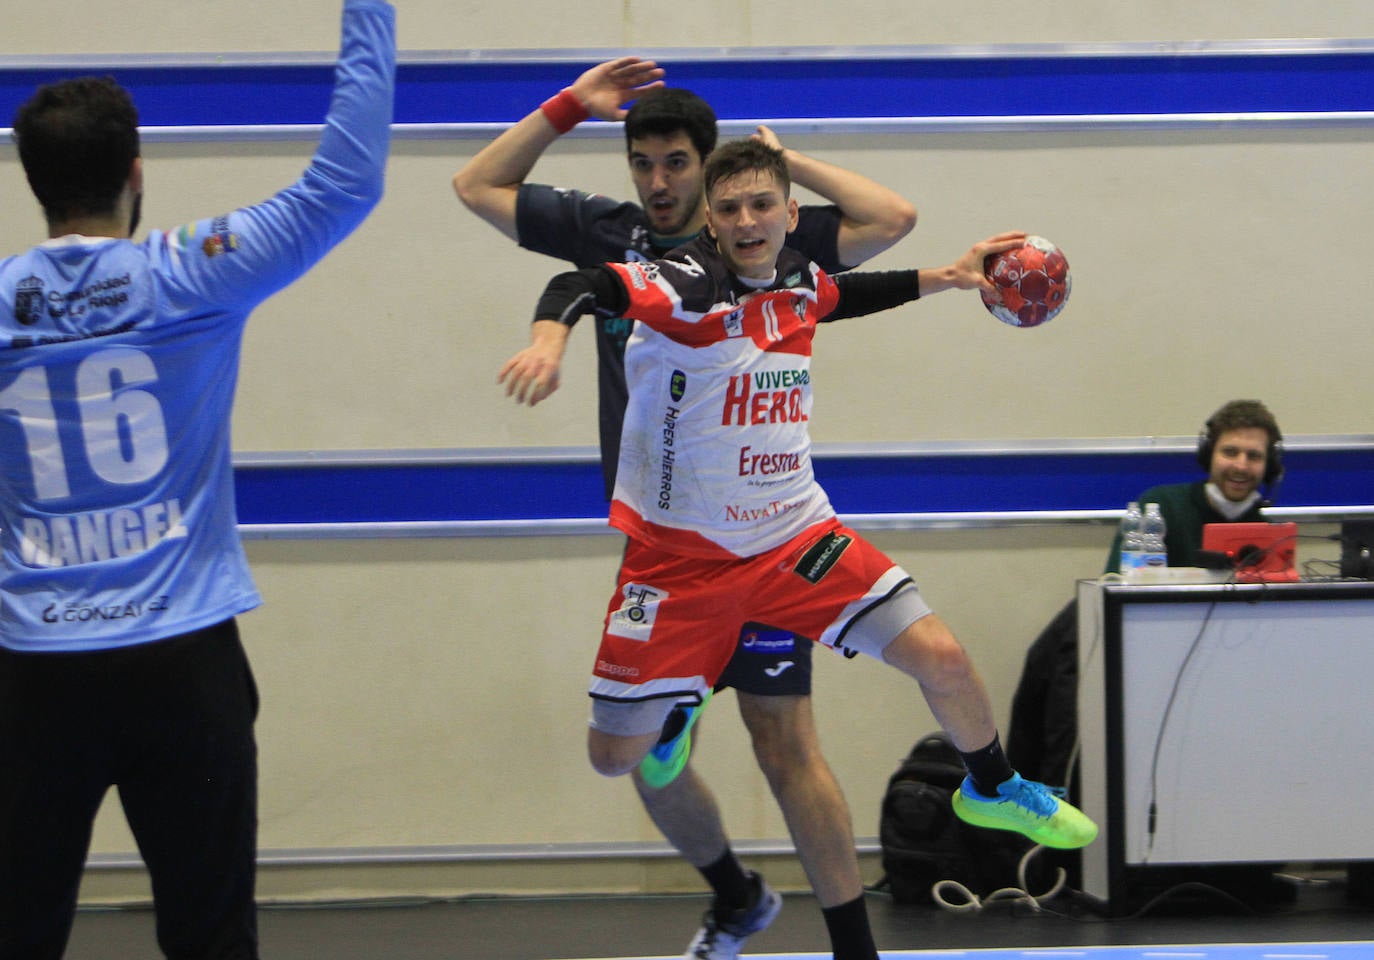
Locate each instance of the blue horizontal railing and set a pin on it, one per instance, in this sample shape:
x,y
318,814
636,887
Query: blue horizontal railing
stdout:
x,y
551,491
1043,80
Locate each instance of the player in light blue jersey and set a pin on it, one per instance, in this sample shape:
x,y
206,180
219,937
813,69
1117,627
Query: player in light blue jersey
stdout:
x,y
121,570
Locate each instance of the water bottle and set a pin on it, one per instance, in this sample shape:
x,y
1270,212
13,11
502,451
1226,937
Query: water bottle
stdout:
x,y
1131,542
1153,555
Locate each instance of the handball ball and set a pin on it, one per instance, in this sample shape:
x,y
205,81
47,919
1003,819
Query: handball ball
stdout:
x,y
1034,282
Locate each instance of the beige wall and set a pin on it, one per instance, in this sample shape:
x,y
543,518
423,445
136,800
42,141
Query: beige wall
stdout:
x,y
1232,263
431,692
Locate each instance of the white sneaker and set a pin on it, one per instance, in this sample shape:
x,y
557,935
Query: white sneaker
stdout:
x,y
723,939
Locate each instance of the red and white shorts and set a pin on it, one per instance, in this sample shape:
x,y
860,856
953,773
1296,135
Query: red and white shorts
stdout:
x,y
672,625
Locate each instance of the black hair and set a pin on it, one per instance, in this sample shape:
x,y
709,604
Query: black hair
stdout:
x,y
77,140
666,110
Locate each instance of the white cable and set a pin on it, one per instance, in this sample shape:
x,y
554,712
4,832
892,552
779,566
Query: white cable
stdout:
x,y
972,903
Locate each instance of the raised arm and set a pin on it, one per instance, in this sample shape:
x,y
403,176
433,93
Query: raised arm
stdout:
x,y
276,241
489,182
873,217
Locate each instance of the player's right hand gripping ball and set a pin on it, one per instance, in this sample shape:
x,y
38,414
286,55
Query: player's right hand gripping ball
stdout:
x,y
1033,281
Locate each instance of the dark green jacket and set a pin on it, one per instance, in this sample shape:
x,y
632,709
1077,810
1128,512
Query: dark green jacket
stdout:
x,y
1186,510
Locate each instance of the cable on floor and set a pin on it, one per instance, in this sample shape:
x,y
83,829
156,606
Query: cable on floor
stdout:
x,y
969,902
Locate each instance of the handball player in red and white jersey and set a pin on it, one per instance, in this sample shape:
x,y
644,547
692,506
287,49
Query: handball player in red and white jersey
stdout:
x,y
718,375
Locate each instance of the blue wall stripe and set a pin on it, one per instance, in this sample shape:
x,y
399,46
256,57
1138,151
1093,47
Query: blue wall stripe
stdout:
x,y
531,489
763,87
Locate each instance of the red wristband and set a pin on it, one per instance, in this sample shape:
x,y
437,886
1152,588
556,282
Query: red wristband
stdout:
x,y
564,110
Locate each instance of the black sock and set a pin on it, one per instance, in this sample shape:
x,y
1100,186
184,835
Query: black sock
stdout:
x,y
677,719
851,938
733,886
988,767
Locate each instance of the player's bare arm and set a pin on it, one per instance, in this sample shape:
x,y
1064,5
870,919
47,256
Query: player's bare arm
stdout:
x,y
489,182
533,373
873,217
966,273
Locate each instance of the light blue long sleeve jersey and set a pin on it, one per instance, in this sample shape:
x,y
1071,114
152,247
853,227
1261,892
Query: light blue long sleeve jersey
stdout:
x,y
118,363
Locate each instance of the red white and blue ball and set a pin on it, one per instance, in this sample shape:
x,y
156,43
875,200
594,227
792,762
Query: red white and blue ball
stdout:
x,y
1033,281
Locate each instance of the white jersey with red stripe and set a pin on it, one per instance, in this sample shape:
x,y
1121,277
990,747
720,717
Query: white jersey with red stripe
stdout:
x,y
715,457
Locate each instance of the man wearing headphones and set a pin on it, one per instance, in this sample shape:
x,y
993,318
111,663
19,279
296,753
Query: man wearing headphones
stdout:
x,y
1241,449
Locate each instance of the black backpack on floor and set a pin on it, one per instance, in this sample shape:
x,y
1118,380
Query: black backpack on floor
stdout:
x,y
923,841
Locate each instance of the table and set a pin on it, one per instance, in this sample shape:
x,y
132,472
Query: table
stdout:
x,y
1224,724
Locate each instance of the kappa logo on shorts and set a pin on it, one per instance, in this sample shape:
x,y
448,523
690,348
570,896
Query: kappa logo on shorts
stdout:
x,y
635,618
823,555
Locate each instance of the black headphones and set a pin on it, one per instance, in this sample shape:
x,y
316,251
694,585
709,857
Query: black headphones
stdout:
x,y
1273,460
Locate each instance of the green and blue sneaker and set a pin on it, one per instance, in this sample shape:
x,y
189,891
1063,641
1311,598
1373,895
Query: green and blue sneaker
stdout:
x,y
1028,808
666,760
